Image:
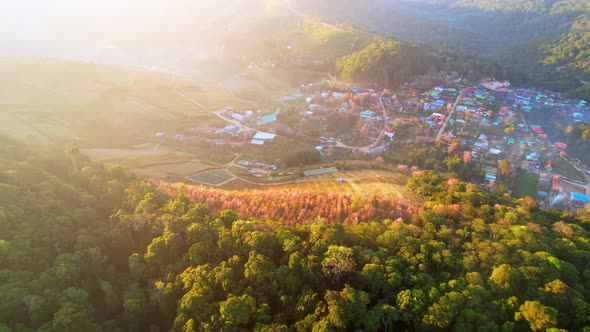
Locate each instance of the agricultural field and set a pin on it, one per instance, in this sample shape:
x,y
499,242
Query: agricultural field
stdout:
x,y
139,155
112,113
214,177
171,170
98,105
151,161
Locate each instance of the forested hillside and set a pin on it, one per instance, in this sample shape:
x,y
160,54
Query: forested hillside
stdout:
x,y
84,248
534,37
573,48
532,6
386,62
392,63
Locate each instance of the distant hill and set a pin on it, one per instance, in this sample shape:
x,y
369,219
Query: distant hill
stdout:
x,y
525,34
179,36
530,6
479,26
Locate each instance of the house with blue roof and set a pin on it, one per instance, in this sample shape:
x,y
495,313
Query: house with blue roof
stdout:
x,y
578,198
480,94
266,119
367,115
230,130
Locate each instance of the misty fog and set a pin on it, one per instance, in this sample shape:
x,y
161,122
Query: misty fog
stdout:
x,y
151,33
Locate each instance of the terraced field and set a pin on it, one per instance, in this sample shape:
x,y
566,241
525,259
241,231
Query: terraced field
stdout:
x,y
214,177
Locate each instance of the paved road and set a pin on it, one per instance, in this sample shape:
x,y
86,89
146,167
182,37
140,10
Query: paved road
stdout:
x,y
442,129
382,133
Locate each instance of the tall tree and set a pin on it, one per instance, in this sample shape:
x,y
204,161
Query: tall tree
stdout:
x,y
237,311
539,317
72,152
338,261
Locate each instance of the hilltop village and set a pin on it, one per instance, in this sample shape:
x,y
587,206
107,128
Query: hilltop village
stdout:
x,y
503,133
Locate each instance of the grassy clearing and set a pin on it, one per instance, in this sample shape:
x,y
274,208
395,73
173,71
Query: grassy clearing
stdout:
x,y
238,171
526,184
146,161
564,168
364,182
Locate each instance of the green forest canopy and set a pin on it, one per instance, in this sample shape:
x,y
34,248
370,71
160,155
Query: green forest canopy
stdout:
x,y
392,63
384,61
92,249
573,48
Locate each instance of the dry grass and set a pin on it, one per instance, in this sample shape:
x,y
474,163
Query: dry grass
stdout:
x,y
570,187
149,160
363,182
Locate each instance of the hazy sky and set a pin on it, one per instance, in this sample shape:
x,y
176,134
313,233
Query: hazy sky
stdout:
x,y
146,33
49,24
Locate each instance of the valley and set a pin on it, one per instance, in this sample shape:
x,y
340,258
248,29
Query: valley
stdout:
x,y
294,165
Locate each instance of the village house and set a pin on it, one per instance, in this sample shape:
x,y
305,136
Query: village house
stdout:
x,y
232,131
266,119
262,138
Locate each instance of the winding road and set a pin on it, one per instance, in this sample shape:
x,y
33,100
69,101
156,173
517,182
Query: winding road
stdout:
x,y
230,120
442,129
367,149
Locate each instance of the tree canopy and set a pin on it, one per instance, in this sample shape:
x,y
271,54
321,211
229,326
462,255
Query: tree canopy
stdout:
x,y
93,250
